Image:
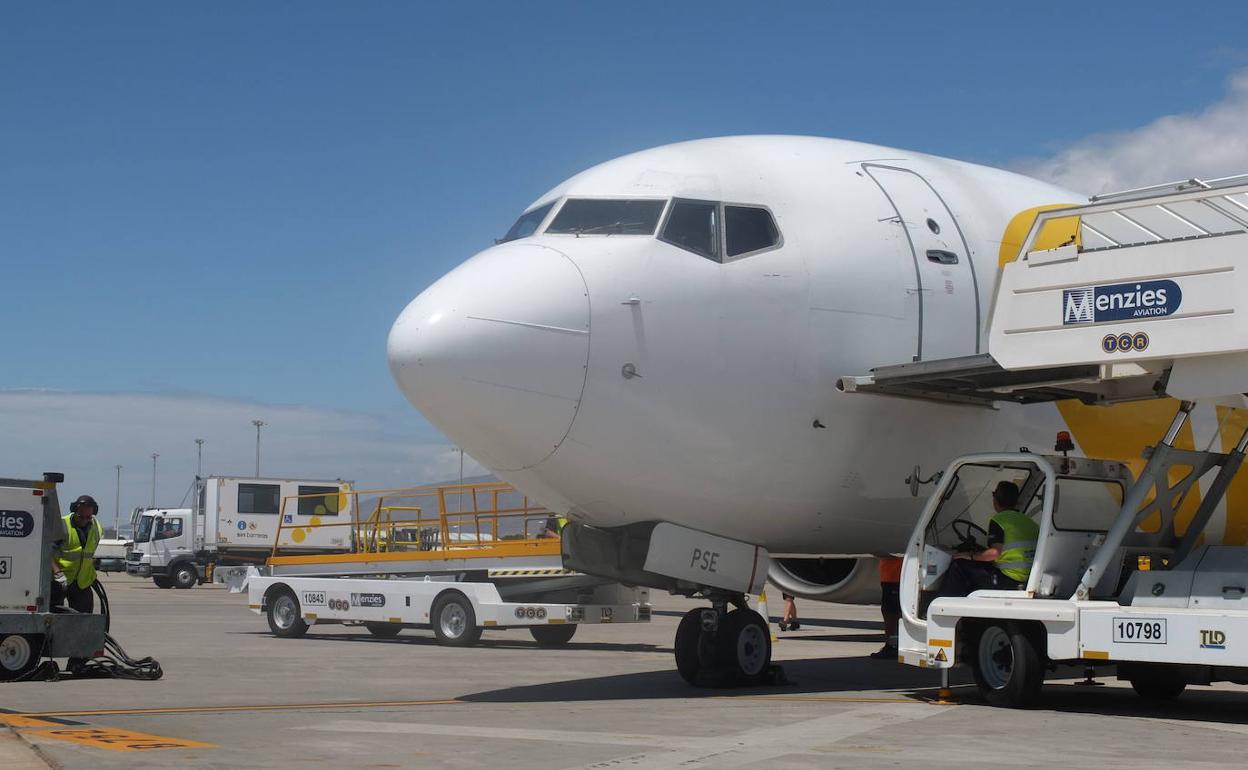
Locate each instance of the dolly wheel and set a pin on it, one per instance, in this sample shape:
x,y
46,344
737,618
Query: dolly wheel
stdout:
x,y
284,617
383,630
1008,668
454,623
554,635
19,653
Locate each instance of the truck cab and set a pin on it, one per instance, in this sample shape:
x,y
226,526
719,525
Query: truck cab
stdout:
x,y
1125,574
164,548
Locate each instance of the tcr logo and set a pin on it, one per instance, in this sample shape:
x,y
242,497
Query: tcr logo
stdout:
x,y
1212,639
707,561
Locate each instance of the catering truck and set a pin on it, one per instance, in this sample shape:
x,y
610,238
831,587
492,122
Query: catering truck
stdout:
x,y
235,522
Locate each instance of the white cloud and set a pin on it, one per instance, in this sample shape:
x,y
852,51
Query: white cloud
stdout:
x,y
84,435
1210,143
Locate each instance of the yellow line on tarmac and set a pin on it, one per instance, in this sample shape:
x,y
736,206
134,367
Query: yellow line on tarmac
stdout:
x,y
256,707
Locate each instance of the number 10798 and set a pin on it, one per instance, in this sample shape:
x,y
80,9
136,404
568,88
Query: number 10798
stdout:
x,y
1139,630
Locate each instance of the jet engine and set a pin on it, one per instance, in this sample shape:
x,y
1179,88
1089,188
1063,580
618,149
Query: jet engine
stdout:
x,y
846,580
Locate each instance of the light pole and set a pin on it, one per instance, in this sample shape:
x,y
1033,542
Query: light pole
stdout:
x,y
199,457
117,505
154,456
259,424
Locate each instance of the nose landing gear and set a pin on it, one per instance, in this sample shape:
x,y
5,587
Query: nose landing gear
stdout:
x,y
718,647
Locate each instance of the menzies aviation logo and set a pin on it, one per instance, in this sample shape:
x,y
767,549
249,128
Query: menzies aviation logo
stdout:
x,y
1120,302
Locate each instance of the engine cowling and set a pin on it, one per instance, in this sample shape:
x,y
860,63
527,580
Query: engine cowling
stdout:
x,y
846,580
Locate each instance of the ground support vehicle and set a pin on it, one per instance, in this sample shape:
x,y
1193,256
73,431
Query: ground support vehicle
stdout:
x,y
110,555
460,572
235,522
1127,572
30,523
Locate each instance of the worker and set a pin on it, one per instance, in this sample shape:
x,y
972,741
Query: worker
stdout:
x,y
554,527
1006,562
73,570
789,621
890,605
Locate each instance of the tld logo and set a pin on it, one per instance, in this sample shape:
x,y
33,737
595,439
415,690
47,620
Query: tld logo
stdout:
x,y
1212,639
1120,301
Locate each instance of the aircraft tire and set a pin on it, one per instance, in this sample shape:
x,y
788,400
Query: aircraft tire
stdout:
x,y
744,646
695,649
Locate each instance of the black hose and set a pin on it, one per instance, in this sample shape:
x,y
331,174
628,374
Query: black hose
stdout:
x,y
105,610
114,662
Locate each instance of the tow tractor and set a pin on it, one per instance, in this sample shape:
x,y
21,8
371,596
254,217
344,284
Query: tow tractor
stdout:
x,y
458,559
1143,300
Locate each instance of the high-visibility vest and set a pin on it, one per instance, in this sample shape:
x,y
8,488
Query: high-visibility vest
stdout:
x,y
1018,552
78,561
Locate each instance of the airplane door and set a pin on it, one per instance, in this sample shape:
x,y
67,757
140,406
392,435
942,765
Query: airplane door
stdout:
x,y
949,314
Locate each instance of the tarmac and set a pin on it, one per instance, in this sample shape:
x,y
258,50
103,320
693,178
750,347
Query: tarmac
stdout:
x,y
234,696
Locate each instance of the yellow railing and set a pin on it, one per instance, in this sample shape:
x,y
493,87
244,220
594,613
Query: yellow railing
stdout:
x,y
468,516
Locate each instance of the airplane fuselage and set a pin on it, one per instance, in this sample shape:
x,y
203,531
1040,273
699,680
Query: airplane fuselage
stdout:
x,y
627,377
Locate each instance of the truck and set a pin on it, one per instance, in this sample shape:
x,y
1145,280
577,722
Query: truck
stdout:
x,y
236,521
1132,573
30,525
458,560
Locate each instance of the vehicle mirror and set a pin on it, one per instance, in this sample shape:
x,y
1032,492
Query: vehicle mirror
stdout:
x,y
914,482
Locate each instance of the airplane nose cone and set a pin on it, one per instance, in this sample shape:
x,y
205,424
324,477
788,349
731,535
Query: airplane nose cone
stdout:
x,y
494,354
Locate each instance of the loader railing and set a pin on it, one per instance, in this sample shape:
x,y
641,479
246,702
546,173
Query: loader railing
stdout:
x,y
447,518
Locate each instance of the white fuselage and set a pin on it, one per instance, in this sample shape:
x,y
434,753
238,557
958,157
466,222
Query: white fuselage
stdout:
x,y
622,378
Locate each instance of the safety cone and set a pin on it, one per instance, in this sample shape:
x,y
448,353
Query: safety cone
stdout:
x,y
762,610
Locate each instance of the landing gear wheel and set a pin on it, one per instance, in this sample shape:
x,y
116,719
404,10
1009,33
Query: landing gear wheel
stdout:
x,y
185,576
1157,682
384,630
19,653
744,645
553,636
695,649
454,622
1008,669
162,581
284,617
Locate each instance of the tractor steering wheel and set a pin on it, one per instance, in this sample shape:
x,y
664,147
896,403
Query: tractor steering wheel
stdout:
x,y
966,532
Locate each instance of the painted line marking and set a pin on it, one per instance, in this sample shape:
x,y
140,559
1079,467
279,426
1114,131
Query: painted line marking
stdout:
x,y
256,707
20,720
117,740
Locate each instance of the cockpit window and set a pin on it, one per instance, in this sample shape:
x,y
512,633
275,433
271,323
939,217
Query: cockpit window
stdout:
x,y
585,216
748,229
694,225
527,224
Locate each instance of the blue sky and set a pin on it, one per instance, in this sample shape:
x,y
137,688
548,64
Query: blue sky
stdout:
x,y
234,200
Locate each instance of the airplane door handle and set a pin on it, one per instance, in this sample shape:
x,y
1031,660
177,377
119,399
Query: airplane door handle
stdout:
x,y
942,257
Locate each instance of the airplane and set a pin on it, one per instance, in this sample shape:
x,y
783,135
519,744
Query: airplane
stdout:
x,y
653,350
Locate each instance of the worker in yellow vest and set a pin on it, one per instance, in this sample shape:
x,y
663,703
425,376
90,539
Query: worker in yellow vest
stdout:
x,y
73,569
554,527
1006,562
